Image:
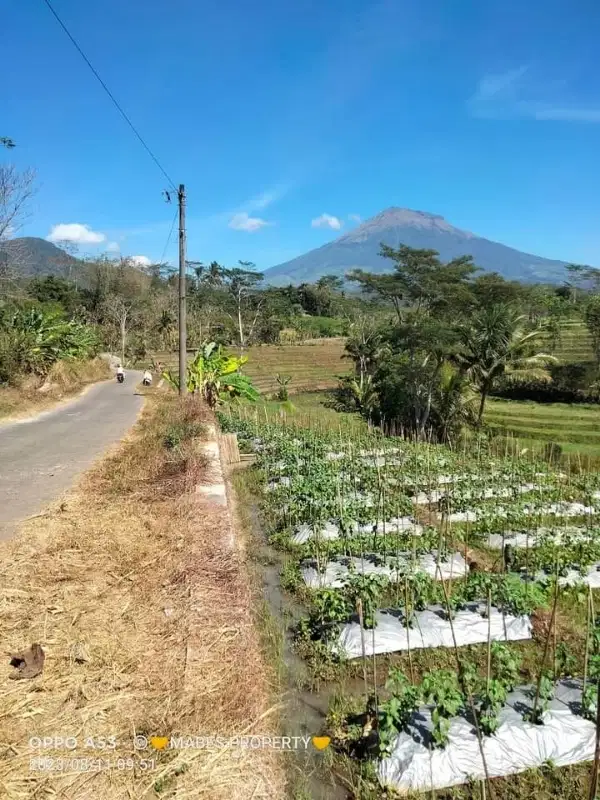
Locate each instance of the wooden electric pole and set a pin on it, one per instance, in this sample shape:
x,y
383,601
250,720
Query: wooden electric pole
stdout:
x,y
182,288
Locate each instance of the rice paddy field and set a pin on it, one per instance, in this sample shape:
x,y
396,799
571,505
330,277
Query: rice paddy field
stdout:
x,y
442,604
575,427
575,344
311,366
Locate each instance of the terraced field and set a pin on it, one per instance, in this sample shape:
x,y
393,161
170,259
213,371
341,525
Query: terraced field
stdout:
x,y
311,366
576,428
576,342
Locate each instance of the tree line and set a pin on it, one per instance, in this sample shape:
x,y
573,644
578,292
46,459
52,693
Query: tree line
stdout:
x,y
455,336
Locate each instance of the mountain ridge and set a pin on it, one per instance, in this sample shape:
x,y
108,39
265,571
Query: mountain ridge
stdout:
x,y
30,256
359,249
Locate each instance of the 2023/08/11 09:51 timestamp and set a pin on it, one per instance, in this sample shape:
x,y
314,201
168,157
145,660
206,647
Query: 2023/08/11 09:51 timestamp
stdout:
x,y
89,764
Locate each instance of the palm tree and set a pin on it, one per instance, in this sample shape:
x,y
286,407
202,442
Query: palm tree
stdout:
x,y
166,327
496,342
364,346
454,404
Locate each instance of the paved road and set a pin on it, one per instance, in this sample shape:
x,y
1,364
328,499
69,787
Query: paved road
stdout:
x,y
41,457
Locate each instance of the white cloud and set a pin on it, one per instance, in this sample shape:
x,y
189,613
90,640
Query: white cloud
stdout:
x,y
502,83
140,261
566,114
511,94
243,222
354,218
113,247
76,233
266,198
327,221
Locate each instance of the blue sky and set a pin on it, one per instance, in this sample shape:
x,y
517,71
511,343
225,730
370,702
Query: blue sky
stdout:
x,y
288,121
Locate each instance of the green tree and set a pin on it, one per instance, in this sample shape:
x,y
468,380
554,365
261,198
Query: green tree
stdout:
x,y
496,342
491,289
420,281
408,377
592,320
53,289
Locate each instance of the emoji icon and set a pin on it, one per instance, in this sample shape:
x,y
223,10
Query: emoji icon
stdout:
x,y
159,742
321,742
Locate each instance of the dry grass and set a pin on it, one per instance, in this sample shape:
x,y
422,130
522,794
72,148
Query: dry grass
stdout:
x,y
66,378
139,573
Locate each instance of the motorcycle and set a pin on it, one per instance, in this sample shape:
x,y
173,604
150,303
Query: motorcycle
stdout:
x,y
120,377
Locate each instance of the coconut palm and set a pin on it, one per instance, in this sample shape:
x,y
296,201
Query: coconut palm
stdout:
x,y
454,405
364,346
496,342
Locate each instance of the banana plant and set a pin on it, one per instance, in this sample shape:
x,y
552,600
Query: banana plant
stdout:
x,y
216,376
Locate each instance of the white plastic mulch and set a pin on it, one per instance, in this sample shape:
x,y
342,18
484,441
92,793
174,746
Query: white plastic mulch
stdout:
x,y
329,530
563,509
591,577
427,498
496,541
336,572
431,629
564,738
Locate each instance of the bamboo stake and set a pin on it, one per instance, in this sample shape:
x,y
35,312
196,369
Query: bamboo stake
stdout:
x,y
359,608
587,640
469,696
545,653
489,641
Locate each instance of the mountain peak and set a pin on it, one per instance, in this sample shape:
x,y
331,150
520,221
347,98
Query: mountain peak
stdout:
x,y
396,217
359,248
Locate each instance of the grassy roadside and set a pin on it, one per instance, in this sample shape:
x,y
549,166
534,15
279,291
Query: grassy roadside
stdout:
x,y
142,606
65,379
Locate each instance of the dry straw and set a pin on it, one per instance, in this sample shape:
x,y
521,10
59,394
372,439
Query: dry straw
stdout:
x,y
143,608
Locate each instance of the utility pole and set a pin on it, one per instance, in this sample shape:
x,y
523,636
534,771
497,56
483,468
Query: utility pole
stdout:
x,y
182,290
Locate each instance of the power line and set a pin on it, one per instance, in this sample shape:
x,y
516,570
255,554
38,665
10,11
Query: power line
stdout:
x,y
169,237
110,94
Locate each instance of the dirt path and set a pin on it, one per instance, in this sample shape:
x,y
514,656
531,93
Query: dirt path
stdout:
x,y
40,457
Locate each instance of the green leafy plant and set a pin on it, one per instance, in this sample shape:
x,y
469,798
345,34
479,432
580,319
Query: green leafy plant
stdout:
x,y
283,382
441,690
541,699
589,702
492,700
396,713
216,376
330,605
505,665
367,589
565,662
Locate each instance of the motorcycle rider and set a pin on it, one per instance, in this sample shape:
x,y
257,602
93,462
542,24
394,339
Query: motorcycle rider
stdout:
x,y
120,374
147,379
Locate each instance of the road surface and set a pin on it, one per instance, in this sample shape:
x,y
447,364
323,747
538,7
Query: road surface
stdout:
x,y
42,456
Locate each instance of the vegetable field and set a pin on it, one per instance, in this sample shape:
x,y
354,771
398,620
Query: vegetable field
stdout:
x,y
450,596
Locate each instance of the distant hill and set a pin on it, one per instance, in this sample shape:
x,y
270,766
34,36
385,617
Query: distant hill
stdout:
x,y
30,256
360,247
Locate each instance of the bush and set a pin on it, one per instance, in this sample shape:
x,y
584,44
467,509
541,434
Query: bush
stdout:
x,y
33,339
552,452
571,383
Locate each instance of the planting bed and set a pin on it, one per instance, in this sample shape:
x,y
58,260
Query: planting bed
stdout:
x,y
431,628
400,548
565,737
336,573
